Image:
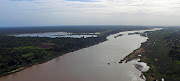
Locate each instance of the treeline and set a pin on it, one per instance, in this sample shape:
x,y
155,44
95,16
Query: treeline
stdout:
x,y
163,55
16,52
74,29
173,41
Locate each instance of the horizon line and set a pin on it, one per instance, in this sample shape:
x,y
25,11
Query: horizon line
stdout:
x,y
84,25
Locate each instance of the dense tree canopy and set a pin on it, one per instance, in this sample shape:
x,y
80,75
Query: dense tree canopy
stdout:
x,y
163,54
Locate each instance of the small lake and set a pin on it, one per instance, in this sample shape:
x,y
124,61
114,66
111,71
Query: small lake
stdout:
x,y
58,34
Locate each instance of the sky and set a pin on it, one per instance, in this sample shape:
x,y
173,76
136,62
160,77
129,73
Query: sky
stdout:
x,y
89,12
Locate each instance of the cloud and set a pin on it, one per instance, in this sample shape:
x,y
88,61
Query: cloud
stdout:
x,y
21,0
69,12
82,0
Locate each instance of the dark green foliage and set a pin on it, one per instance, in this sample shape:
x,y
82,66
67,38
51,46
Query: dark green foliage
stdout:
x,y
22,51
164,54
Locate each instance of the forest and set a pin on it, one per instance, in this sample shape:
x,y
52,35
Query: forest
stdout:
x,y
21,52
163,55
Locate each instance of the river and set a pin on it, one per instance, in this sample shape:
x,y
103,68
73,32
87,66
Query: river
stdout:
x,y
88,64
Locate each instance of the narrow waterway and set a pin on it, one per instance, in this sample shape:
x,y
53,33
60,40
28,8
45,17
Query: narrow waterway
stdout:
x,y
88,64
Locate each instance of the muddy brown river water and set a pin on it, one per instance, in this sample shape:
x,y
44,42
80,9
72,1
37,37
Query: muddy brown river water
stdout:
x,y
88,64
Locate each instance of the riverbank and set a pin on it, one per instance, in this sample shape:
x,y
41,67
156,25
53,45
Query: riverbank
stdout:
x,y
139,58
52,57
139,55
160,52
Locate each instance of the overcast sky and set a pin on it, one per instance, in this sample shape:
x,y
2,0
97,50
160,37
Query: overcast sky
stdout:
x,y
89,12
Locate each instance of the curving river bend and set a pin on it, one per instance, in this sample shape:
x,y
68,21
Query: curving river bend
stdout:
x,y
88,64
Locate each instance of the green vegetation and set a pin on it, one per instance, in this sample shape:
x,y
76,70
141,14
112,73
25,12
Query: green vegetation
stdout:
x,y
18,52
163,55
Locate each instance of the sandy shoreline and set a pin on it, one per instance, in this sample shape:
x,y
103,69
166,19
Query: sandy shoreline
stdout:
x,y
138,55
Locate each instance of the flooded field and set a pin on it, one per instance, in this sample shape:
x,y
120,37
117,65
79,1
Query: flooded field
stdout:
x,y
58,34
